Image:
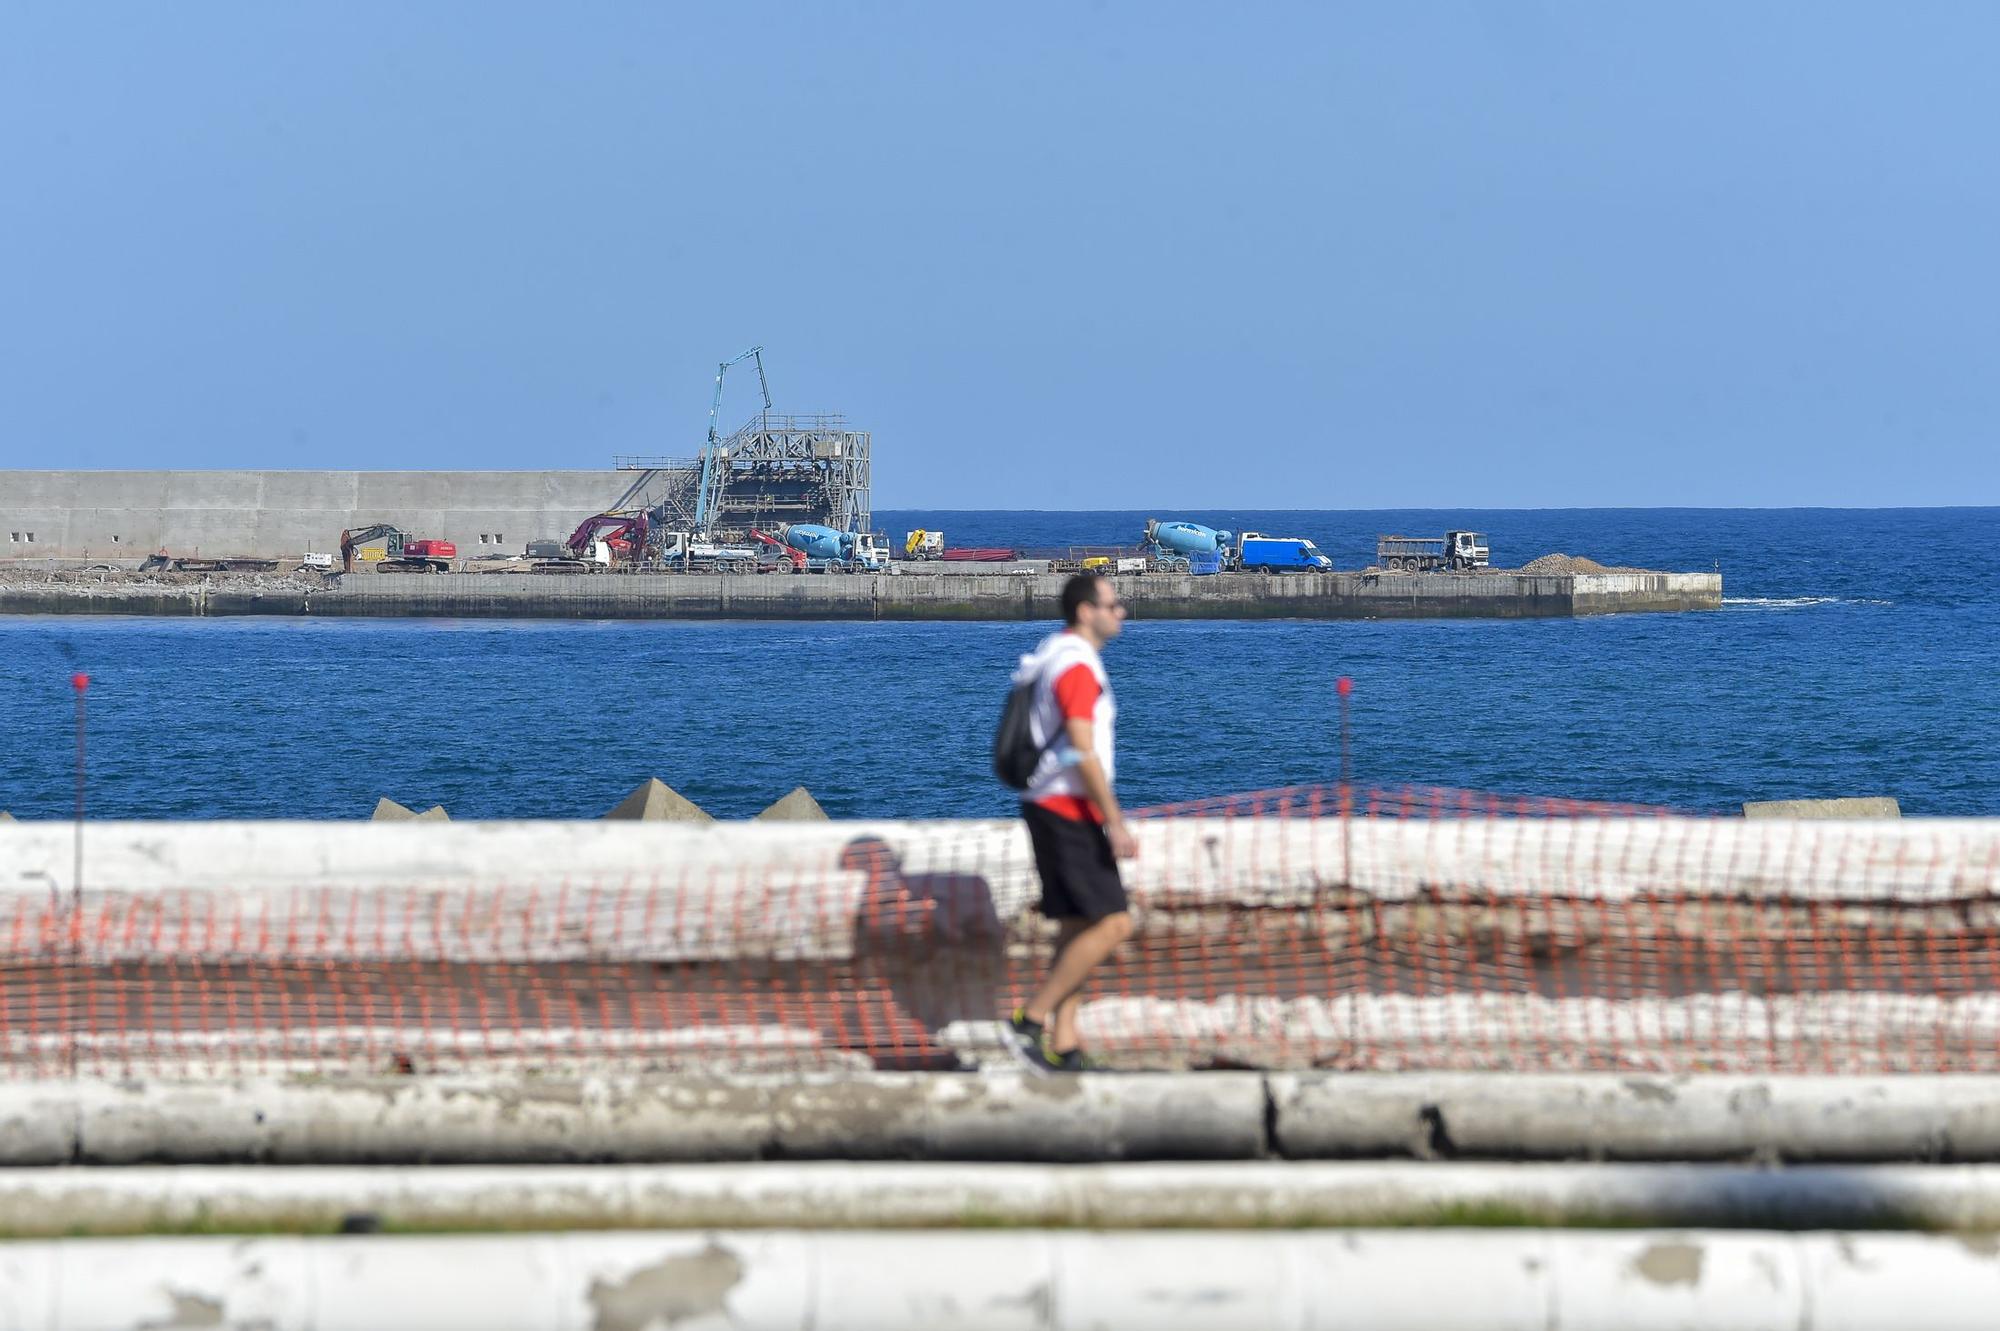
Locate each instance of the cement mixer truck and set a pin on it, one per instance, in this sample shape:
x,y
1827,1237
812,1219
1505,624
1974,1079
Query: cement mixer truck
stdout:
x,y
1189,547
830,549
1186,547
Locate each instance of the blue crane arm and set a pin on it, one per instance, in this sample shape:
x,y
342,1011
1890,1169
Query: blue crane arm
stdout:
x,y
707,494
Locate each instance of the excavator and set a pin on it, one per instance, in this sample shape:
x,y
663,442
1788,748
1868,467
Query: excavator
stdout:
x,y
599,541
796,557
623,533
400,553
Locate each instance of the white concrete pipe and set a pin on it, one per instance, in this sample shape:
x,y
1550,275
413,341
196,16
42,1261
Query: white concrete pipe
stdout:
x,y
528,1119
1621,1117
513,1119
781,1280
831,1195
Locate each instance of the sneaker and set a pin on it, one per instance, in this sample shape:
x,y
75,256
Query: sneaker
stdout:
x,y
1027,1041
1075,1060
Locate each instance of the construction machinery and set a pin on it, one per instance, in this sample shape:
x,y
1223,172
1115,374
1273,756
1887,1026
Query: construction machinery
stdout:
x,y
714,455
796,558
599,542
1455,552
1185,547
1190,547
622,534
400,552
923,544
828,549
686,552
773,469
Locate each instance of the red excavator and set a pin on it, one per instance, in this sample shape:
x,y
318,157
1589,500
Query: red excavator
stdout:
x,y
599,541
623,533
797,557
400,553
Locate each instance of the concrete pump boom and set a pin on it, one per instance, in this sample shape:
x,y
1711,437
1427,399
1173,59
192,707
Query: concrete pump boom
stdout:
x,y
711,453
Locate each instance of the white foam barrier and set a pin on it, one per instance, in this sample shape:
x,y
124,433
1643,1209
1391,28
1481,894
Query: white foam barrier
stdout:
x,y
677,891
1885,928
779,1280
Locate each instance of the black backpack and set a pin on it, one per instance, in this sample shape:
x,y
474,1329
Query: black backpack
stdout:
x,y
1015,753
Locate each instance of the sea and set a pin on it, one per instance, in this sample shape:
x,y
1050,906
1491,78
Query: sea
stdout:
x,y
1857,652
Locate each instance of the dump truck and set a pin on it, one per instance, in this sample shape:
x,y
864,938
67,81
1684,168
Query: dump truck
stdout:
x,y
1455,551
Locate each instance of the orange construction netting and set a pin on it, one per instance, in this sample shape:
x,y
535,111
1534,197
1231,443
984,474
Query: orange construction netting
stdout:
x,y
1315,927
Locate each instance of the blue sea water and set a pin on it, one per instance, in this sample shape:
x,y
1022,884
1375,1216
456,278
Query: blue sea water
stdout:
x,y
1855,654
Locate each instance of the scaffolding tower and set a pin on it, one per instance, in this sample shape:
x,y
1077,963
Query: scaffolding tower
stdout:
x,y
773,469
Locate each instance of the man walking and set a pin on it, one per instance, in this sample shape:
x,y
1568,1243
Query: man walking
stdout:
x,y
1074,822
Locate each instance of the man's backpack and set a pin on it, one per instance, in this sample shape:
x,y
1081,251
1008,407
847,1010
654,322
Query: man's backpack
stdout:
x,y
1015,753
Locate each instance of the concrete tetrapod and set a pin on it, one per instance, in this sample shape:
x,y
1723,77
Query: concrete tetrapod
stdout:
x,y
1370,1280
654,801
1863,806
389,811
798,806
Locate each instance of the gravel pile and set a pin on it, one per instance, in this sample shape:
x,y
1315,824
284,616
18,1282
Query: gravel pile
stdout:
x,y
1562,563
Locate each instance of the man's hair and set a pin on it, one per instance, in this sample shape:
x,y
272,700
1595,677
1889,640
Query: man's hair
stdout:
x,y
1078,592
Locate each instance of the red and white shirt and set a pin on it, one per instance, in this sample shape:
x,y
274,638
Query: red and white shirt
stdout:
x,y
1070,684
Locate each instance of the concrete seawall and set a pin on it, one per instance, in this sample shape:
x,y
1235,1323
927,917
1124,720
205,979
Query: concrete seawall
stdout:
x,y
1491,595
114,514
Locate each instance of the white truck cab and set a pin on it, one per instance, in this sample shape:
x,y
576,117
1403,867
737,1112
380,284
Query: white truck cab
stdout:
x,y
869,552
1468,549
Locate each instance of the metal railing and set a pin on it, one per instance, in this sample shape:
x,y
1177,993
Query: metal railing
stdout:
x,y
643,462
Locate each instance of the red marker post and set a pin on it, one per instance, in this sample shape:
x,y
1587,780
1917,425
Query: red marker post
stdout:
x,y
81,683
1345,688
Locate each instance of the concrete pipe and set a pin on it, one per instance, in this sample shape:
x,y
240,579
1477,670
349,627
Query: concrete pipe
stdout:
x,y
834,1195
781,1280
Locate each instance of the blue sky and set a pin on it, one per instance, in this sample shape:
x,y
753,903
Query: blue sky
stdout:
x,y
1053,255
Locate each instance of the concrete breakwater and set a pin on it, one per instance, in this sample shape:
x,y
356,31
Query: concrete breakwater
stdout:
x,y
1485,595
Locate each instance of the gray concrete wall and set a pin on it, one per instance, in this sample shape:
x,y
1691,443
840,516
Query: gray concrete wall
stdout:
x,y
909,596
125,514
917,596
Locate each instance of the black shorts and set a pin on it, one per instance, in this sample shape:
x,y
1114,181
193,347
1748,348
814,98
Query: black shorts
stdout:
x,y
1079,873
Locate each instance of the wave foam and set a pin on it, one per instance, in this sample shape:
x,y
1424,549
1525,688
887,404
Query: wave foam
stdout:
x,y
1800,602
